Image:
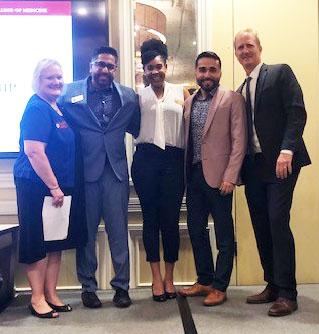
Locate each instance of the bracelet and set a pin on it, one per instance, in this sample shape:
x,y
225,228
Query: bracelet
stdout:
x,y
55,188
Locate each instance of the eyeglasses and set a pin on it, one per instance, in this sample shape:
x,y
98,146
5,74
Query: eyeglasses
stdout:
x,y
102,64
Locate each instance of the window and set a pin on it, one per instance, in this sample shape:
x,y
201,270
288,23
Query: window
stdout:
x,y
173,22
185,30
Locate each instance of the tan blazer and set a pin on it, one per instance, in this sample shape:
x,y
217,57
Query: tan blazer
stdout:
x,y
224,137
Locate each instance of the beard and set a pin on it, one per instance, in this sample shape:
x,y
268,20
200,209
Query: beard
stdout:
x,y
207,84
102,80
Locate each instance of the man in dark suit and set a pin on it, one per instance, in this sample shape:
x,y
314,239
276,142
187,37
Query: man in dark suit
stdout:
x,y
215,141
276,117
103,110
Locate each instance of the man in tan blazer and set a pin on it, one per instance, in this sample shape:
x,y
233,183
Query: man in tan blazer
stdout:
x,y
215,133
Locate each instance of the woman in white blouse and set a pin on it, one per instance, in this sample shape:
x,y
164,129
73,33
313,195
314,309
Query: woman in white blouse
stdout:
x,y
157,169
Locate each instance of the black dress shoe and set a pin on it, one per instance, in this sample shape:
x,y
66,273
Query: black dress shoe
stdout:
x,y
61,308
121,298
49,315
90,299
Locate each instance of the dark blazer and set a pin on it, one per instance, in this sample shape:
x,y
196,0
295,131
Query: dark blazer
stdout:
x,y
280,114
99,144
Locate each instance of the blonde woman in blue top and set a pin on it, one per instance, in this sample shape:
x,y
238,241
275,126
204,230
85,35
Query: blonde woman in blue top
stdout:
x,y
46,166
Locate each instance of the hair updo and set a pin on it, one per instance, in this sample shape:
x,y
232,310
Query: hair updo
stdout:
x,y
153,48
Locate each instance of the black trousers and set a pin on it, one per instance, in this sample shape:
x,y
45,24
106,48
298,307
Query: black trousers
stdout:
x,y
201,201
158,177
269,200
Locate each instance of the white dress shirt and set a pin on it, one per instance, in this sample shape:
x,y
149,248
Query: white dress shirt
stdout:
x,y
253,83
162,119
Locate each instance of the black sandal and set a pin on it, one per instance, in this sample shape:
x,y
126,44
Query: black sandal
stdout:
x,y
48,315
62,308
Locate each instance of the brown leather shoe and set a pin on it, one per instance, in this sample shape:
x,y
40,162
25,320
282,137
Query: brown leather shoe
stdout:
x,y
196,290
267,296
214,298
282,306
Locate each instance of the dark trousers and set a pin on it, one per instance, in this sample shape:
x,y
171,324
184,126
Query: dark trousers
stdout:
x,y
269,200
201,201
158,177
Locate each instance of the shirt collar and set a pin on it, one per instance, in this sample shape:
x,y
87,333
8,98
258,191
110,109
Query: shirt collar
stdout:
x,y
255,72
209,96
92,89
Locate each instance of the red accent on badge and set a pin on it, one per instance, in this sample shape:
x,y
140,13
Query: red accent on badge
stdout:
x,y
62,125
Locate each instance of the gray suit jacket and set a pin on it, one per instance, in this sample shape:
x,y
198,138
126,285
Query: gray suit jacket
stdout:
x,y
99,144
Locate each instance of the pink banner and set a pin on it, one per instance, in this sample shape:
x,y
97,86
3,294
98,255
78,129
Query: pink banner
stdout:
x,y
35,7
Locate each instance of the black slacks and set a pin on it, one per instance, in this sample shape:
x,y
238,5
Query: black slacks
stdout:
x,y
269,200
201,201
158,177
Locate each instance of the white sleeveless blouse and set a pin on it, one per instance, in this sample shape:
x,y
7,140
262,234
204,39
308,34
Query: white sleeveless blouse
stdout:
x,y
162,119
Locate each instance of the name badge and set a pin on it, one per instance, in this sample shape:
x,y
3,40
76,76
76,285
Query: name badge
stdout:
x,y
77,98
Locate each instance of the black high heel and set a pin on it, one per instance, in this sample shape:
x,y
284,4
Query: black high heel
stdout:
x,y
159,298
170,295
61,308
48,315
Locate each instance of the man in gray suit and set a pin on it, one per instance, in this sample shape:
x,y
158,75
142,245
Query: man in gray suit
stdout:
x,y
102,111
